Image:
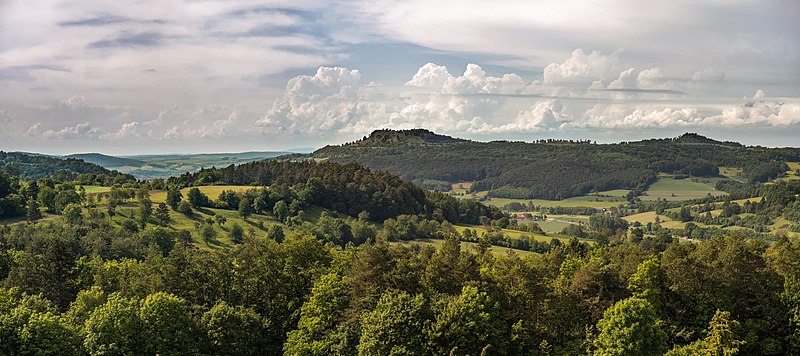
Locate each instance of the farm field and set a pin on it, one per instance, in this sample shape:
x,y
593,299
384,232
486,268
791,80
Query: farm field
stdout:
x,y
465,245
679,189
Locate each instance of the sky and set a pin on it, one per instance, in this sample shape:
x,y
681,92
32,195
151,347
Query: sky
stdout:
x,y
172,76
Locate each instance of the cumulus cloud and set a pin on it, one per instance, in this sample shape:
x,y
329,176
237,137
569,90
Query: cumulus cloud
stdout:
x,y
82,131
328,100
582,68
758,110
473,81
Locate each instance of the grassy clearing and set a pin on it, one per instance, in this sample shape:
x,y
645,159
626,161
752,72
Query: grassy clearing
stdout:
x,y
256,224
469,246
732,173
791,174
95,189
575,202
679,189
212,191
514,234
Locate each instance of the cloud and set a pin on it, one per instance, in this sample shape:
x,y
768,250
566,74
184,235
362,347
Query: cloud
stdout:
x,y
83,131
581,68
95,21
130,39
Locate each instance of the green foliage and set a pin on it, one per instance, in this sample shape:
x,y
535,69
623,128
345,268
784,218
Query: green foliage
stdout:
x,y
647,282
166,325
185,208
73,214
316,332
395,326
174,197
232,330
162,214
237,233
197,199
114,328
467,323
720,339
630,327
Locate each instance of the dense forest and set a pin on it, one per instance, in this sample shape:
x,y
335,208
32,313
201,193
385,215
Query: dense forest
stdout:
x,y
553,169
88,287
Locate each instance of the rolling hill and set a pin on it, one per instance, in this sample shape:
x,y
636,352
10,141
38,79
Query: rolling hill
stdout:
x,y
553,169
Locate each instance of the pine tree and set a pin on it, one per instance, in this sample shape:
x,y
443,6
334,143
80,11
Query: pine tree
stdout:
x,y
33,210
162,214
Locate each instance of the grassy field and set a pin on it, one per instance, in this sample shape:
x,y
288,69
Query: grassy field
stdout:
x,y
586,201
679,189
160,196
791,174
468,246
732,173
514,234
94,189
256,224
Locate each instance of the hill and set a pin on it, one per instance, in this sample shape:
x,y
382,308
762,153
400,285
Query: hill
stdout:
x,y
30,167
167,165
105,160
554,169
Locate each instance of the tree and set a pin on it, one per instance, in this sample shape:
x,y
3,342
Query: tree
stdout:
x,y
468,322
208,233
395,326
167,328
316,332
220,219
114,328
73,214
233,330
237,233
185,208
280,210
162,214
245,207
145,210
33,210
646,282
630,327
174,197
197,198
720,340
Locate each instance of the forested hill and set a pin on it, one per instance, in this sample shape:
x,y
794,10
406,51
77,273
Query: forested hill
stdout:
x,y
107,161
347,188
32,167
553,169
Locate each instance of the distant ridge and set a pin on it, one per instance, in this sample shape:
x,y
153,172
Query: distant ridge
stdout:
x,y
106,161
553,168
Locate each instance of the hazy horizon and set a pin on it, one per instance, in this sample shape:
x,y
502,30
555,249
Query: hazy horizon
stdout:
x,y
213,76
